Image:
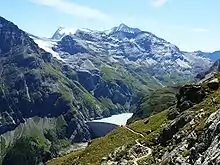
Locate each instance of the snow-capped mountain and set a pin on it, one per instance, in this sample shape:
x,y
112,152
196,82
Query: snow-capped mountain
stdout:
x,y
129,48
61,32
123,28
214,56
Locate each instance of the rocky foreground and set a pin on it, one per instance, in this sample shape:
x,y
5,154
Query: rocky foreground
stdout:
x,y
191,135
187,133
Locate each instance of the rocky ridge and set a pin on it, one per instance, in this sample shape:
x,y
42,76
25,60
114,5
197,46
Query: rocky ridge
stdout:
x,y
187,133
37,96
121,65
192,135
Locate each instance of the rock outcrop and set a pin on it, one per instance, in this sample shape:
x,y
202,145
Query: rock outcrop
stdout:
x,y
214,84
189,95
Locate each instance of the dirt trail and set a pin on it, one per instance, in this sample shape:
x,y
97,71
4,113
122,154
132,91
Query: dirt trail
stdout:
x,y
138,143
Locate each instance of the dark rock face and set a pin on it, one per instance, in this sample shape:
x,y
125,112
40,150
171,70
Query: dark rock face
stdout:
x,y
214,84
77,130
172,113
174,127
189,95
12,36
100,129
88,80
214,68
33,84
212,140
118,93
69,45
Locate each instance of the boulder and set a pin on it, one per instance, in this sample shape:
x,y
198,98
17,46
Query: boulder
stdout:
x,y
189,95
214,84
172,113
171,129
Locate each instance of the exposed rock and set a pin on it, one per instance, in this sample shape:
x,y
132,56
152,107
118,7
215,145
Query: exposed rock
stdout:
x,y
172,113
214,84
171,129
69,45
189,95
212,139
215,67
33,84
125,155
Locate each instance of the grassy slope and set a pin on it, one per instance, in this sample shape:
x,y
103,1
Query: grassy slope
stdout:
x,y
134,80
155,102
149,127
100,148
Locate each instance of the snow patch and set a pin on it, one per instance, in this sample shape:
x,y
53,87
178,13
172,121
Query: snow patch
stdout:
x,y
183,64
88,65
68,31
47,45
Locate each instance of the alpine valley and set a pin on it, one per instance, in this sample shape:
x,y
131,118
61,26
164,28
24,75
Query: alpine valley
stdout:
x,y
50,88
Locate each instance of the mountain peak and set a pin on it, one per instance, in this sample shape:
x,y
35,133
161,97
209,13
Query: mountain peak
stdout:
x,y
61,32
11,36
124,28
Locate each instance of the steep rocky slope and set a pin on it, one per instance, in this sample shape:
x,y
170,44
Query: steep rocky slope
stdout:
x,y
213,69
186,133
49,93
36,93
133,49
214,56
123,59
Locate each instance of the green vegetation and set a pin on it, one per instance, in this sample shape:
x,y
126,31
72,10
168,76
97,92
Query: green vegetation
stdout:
x,y
68,159
3,148
26,151
185,153
148,160
155,102
150,127
110,74
57,141
175,78
106,145
140,84
107,103
209,105
91,101
100,147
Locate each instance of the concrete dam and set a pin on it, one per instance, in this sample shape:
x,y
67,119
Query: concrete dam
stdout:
x,y
99,129
103,126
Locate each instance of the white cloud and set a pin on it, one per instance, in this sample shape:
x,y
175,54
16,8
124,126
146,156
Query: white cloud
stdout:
x,y
74,9
200,30
159,3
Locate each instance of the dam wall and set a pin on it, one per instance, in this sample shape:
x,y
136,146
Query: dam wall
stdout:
x,y
99,129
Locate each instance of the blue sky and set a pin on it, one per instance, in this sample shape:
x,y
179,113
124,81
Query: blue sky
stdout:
x,y
190,24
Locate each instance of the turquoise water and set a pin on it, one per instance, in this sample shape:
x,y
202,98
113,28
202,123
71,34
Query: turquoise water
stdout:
x,y
117,119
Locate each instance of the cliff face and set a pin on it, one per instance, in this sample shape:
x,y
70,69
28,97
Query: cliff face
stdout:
x,y
193,136
34,84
